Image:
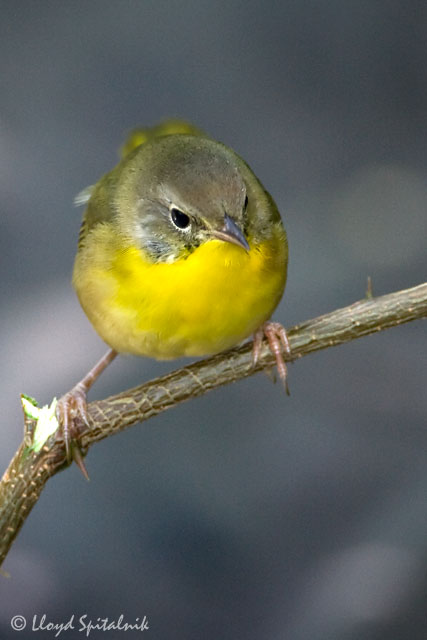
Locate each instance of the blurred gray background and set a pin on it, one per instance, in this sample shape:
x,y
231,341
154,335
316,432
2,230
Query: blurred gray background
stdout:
x,y
243,514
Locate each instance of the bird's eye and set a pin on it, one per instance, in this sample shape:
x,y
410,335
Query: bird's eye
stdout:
x,y
180,219
245,204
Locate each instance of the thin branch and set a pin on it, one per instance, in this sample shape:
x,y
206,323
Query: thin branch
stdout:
x,y
27,473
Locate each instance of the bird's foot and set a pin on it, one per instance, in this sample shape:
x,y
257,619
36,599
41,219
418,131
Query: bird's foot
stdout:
x,y
71,412
278,342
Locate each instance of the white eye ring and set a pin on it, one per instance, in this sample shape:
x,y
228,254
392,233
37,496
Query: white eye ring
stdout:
x,y
180,219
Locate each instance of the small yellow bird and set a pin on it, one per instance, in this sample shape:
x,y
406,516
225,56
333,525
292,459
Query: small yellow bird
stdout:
x,y
181,252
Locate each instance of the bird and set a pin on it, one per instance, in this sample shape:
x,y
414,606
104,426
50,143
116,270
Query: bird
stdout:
x,y
182,252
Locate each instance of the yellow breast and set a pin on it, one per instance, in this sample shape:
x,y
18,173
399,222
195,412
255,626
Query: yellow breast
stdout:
x,y
210,301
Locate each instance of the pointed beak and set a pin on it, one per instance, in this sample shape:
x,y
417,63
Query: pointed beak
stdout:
x,y
231,232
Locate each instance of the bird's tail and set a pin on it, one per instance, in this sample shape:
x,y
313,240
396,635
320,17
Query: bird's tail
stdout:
x,y
139,136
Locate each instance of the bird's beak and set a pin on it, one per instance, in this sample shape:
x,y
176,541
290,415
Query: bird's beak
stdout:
x,y
231,232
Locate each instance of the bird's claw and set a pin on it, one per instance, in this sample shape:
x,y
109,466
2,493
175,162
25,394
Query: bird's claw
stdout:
x,y
278,343
71,409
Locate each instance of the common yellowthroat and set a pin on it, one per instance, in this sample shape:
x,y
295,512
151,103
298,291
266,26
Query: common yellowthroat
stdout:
x,y
182,252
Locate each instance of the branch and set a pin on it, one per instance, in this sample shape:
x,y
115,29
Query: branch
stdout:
x,y
28,472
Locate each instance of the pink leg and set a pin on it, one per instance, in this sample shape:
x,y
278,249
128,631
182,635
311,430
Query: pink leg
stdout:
x,y
279,344
74,403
